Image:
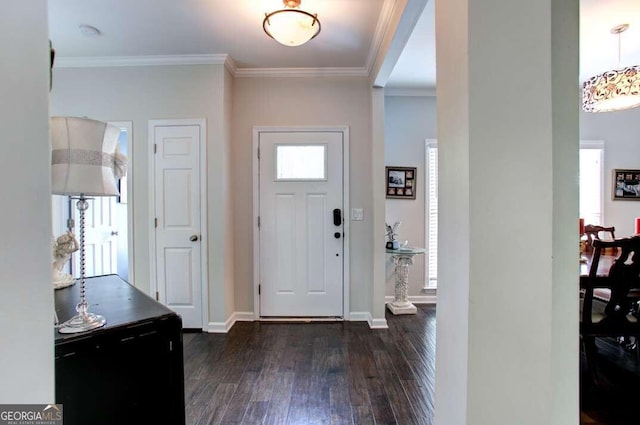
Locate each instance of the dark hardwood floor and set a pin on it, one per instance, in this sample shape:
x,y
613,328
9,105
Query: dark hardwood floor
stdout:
x,y
318,373
346,373
615,398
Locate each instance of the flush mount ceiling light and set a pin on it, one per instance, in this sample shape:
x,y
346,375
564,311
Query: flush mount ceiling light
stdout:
x,y
613,90
291,26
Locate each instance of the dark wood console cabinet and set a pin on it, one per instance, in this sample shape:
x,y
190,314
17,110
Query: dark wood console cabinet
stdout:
x,y
128,372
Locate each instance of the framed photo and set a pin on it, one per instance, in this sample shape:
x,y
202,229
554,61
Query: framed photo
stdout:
x,y
626,185
401,182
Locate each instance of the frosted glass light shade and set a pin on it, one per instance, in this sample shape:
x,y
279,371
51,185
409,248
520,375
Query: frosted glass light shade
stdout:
x,y
613,90
82,157
291,27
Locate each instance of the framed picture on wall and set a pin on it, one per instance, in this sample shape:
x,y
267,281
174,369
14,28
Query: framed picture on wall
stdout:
x,y
626,185
401,182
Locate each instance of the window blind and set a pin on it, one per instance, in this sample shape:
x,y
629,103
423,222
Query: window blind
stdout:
x,y
431,278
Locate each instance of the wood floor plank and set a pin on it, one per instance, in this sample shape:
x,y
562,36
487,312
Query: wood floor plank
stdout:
x,y
339,406
256,413
362,415
280,399
318,405
356,381
203,394
214,408
400,404
267,378
298,405
421,400
237,406
380,404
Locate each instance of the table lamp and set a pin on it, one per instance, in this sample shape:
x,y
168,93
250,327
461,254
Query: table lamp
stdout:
x,y
84,160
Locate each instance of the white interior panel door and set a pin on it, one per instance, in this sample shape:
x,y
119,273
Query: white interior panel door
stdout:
x,y
101,248
301,239
178,227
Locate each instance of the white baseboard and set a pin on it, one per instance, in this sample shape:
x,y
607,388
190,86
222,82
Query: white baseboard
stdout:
x,y
217,327
244,316
224,327
365,316
359,316
377,323
417,299
241,316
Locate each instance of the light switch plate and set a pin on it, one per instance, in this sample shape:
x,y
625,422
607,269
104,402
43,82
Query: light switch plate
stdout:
x,y
357,214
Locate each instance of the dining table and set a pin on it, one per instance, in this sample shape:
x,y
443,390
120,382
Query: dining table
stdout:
x,y
601,285
607,259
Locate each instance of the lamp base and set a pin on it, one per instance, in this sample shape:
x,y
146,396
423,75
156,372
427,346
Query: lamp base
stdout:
x,y
82,323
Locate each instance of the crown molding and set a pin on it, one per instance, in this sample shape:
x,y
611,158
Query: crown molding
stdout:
x,y
163,60
301,72
230,64
221,59
378,37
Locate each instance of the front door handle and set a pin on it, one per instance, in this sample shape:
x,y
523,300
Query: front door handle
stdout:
x,y
193,238
337,217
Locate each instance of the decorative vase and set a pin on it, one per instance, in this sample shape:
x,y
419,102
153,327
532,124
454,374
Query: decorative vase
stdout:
x,y
395,245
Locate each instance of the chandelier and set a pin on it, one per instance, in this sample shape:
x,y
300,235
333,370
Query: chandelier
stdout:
x,y
613,90
291,26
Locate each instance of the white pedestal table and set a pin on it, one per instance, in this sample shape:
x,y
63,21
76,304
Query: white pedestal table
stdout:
x,y
403,258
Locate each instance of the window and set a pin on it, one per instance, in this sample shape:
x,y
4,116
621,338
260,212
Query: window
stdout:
x,y
301,162
431,213
591,181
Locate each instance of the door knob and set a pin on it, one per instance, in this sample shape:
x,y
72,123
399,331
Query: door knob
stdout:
x,y
193,238
114,233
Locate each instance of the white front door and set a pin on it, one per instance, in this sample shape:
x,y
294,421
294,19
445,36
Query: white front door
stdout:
x,y
301,224
178,223
100,237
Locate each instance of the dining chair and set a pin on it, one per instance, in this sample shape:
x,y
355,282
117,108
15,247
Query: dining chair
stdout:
x,y
594,232
617,317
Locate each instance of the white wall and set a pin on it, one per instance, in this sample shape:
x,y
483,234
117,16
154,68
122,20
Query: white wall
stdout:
x,y
303,102
26,304
409,120
140,94
220,195
378,178
507,340
621,134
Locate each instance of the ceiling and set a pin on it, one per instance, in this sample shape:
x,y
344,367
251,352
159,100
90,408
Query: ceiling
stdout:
x,y
349,43
214,27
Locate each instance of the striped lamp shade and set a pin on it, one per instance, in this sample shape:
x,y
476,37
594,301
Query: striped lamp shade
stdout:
x,y
83,157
